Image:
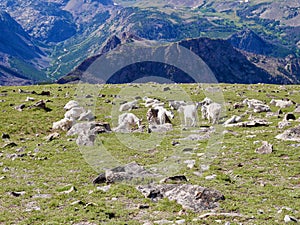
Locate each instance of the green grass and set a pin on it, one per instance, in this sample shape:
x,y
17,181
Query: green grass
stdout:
x,y
251,183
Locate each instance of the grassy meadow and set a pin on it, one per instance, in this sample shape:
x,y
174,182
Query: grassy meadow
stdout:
x,y
50,182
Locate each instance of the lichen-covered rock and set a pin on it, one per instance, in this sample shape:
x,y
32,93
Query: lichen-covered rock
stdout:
x,y
192,197
128,172
292,134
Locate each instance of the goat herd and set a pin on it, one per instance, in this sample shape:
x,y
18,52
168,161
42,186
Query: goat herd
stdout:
x,y
158,116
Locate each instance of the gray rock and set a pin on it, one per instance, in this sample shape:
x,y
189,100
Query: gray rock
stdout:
x,y
211,177
253,123
86,116
52,136
5,136
128,172
192,197
292,134
87,132
196,137
233,119
20,107
86,139
161,222
160,128
180,221
266,148
289,219
190,163
18,193
174,179
10,145
28,99
283,124
297,110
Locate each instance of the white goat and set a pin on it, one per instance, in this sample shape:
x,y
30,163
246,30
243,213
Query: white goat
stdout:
x,y
64,124
189,113
212,112
127,122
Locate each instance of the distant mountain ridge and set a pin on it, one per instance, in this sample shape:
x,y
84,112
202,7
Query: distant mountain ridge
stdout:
x,y
46,39
227,64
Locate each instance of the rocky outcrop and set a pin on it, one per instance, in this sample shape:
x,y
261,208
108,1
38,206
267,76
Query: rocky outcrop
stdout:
x,y
191,197
292,134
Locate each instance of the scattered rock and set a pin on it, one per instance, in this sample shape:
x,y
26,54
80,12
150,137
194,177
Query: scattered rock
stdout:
x,y
129,172
160,127
297,110
283,124
32,206
72,188
41,105
175,143
253,123
45,93
10,145
104,188
77,202
187,149
5,169
266,148
44,196
180,221
20,107
17,193
87,131
289,116
5,136
211,177
86,116
190,163
192,197
288,219
29,99
196,137
174,179
52,136
292,134
144,207
233,119
161,222
21,91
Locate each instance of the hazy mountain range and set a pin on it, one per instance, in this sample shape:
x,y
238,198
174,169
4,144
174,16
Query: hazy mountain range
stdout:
x,y
245,41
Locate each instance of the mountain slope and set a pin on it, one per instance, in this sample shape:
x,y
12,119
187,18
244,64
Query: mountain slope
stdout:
x,y
20,58
67,32
227,64
14,40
